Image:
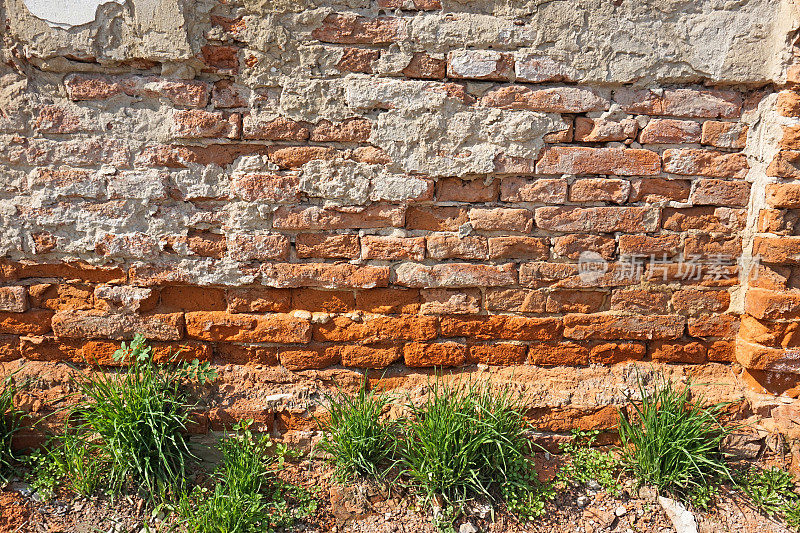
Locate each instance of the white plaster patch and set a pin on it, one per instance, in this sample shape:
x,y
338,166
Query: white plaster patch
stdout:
x,y
66,13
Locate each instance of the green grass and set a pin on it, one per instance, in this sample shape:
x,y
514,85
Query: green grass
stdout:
x,y
772,491
590,464
11,421
673,443
359,440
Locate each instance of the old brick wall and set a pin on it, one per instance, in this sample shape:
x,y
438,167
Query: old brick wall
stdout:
x,y
298,190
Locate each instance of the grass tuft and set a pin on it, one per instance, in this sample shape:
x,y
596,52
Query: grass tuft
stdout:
x,y
772,492
11,421
674,443
590,464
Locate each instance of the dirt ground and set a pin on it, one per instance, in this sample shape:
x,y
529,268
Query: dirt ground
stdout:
x,y
374,508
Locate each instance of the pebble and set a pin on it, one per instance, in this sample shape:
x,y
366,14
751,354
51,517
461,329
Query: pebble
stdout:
x,y
582,501
620,511
467,527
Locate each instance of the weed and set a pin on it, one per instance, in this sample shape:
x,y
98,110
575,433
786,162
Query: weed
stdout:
x,y
11,421
359,441
674,443
772,491
590,464
137,422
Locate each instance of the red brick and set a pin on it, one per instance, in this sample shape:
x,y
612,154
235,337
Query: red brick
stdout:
x,y
659,245
358,60
609,353
207,244
639,301
568,276
498,354
392,248
694,302
325,301
351,29
777,221
530,248
58,120
765,304
501,219
423,66
552,100
583,160
600,190
199,124
259,247
695,162
225,58
436,218
81,87
324,275
791,137
480,65
455,275
571,246
297,156
720,219
67,270
783,195
226,94
597,219
273,128
61,296
188,298
721,351
422,354
388,301
355,130
724,326
692,103
558,354
670,131
322,218
377,329
455,247
13,299
180,156
126,298
222,326
788,104
770,333
545,191
608,326
258,300
450,302
368,356
601,130
458,190
706,246
308,358
786,164
325,246
724,134
575,301
34,322
690,352
508,327
131,245
102,325
245,354
508,164
516,300
44,349
721,192
655,190
102,352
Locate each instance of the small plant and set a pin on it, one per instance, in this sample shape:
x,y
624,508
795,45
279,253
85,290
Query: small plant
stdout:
x,y
359,441
131,427
772,491
590,464
466,441
11,421
674,443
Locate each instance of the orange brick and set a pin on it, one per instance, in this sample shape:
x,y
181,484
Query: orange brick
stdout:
x,y
392,248
497,327
50,349
608,326
558,354
609,353
190,298
221,326
324,275
378,329
450,302
327,301
516,300
770,333
244,354
375,356
422,354
678,352
472,191
258,300
351,29
456,247
670,131
708,325
436,218
552,100
582,160
561,301
530,248
388,301
783,195
639,301
724,134
327,246
34,322
694,302
498,354
308,358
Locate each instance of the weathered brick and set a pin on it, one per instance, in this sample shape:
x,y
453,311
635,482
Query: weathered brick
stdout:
x,y
583,160
61,296
220,58
659,245
455,275
656,190
455,247
609,353
293,157
770,333
180,92
786,164
772,305
670,131
572,246
388,301
346,28
719,219
324,275
188,298
377,329
436,218
601,130
694,301
516,300
308,358
126,298
724,134
694,162
545,191
326,301
537,67
225,95
791,137
783,195
721,192
101,352
506,327
222,326
502,354
353,130
561,301
259,247
609,326
103,325
76,270
480,65
552,100
36,348
199,124
458,190
271,128
706,325
757,357
558,354
528,248
245,354
692,103
450,302
597,219
33,322
788,104
58,120
13,299
358,60
320,245
639,301
707,246
721,351
322,218
501,219
424,354
257,300
393,248
181,156
600,190
424,66
569,276
690,352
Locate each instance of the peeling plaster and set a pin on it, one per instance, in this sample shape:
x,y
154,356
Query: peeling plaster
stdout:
x,y
67,13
